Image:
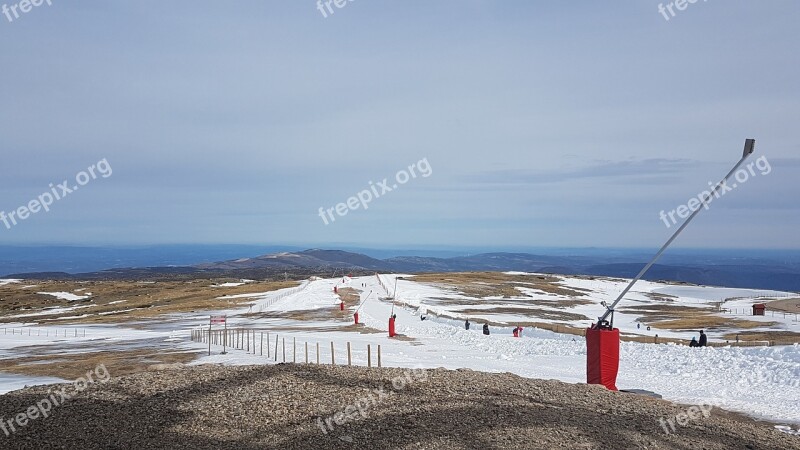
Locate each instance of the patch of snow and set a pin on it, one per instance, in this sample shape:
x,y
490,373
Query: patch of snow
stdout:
x,y
68,296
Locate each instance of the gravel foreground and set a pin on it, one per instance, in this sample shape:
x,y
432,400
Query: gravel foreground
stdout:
x,y
287,406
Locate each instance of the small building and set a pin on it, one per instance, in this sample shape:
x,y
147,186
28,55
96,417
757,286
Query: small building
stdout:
x,y
759,309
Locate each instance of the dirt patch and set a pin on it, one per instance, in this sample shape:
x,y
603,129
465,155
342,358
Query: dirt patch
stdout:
x,y
660,297
709,322
286,406
349,296
773,337
787,305
669,317
533,313
497,284
122,301
73,366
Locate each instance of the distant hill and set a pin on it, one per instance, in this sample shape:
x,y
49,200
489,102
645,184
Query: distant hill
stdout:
x,y
729,272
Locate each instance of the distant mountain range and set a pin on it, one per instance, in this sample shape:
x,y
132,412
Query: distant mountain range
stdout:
x,y
757,273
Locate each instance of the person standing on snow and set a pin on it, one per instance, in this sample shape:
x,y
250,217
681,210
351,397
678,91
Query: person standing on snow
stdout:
x,y
466,325
693,342
486,329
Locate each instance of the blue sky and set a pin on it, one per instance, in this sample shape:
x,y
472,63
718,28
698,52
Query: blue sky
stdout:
x,y
544,123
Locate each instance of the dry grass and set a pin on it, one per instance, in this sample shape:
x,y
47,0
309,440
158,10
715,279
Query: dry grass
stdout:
x,y
774,337
680,318
526,312
496,284
349,296
145,300
791,305
699,322
73,366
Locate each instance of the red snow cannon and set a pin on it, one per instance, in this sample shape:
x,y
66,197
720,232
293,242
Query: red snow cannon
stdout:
x,y
341,306
391,326
355,318
602,355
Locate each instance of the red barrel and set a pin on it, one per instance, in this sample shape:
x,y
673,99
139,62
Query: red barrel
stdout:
x,y
341,306
336,289
602,357
391,327
355,317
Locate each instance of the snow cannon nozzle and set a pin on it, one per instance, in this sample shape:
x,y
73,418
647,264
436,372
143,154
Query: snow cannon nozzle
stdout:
x,y
603,325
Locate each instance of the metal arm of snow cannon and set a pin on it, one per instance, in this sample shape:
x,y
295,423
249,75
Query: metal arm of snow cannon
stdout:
x,y
749,147
364,301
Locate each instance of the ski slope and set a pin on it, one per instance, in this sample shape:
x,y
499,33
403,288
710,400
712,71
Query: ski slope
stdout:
x,y
759,381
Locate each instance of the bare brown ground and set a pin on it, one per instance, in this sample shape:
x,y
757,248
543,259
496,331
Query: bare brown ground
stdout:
x,y
529,312
496,284
73,366
774,337
145,300
791,305
668,317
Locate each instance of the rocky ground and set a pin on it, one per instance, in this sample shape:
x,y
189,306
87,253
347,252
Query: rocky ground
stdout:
x,y
308,406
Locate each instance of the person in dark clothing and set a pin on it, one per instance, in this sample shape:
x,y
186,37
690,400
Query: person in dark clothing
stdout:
x,y
486,329
703,339
693,343
466,325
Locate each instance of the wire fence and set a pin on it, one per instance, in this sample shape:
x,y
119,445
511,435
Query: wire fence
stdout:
x,y
45,332
260,343
261,306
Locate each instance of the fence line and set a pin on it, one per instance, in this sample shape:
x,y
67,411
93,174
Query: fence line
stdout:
x,y
240,339
282,295
46,332
768,313
380,282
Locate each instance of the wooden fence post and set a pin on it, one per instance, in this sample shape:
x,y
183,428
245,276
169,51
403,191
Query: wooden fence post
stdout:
x,y
267,344
349,359
379,355
333,360
369,356
283,341
276,348
294,350
306,352
317,353
262,344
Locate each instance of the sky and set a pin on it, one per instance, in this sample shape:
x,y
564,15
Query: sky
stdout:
x,y
526,123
